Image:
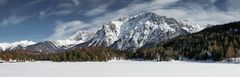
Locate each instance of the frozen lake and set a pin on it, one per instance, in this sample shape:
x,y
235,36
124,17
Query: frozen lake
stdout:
x,y
119,69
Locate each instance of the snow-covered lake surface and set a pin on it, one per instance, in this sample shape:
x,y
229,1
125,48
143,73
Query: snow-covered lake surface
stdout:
x,y
119,69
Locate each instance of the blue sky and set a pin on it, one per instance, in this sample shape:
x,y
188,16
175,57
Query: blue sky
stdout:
x,y
40,20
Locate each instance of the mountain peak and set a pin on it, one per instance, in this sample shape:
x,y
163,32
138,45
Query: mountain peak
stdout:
x,y
140,30
82,36
146,14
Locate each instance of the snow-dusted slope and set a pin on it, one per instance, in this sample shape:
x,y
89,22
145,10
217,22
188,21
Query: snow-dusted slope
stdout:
x,y
50,46
82,36
15,45
140,30
108,34
60,45
149,29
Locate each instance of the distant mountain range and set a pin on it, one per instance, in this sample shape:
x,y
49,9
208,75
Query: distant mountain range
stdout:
x,y
15,45
145,36
132,33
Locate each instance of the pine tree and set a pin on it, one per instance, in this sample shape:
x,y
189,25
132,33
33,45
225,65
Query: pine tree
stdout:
x,y
230,52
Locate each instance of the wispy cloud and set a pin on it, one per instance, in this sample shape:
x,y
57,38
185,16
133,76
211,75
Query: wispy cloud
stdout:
x,y
72,4
12,20
96,11
76,2
65,5
203,14
61,12
50,12
131,9
34,2
64,30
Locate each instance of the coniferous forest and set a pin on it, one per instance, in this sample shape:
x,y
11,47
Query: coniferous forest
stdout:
x,y
214,43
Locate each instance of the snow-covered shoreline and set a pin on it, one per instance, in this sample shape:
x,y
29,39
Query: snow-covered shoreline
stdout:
x,y
228,61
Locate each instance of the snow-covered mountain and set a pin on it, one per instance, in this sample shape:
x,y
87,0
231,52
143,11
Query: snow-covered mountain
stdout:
x,y
107,35
60,45
82,36
140,30
130,33
15,45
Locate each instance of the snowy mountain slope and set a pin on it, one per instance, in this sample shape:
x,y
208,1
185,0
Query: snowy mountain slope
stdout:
x,y
140,30
107,35
149,29
15,45
50,46
60,45
82,36
1,49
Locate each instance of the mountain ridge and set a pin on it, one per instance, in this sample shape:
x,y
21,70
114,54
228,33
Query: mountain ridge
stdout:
x,y
10,46
131,33
134,32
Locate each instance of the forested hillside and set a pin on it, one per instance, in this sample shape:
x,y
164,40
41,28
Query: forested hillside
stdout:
x,y
214,43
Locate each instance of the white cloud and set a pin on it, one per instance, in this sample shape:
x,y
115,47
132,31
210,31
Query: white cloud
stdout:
x,y
71,4
64,30
200,15
96,11
129,10
215,17
44,13
34,2
195,13
50,12
65,5
62,12
76,2
12,20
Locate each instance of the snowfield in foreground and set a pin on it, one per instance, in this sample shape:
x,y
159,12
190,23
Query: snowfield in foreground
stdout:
x,y
119,69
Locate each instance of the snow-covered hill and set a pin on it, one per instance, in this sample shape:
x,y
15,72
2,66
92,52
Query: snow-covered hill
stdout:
x,y
140,30
15,45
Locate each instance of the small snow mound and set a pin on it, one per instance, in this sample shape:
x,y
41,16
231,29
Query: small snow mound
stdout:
x,y
233,60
